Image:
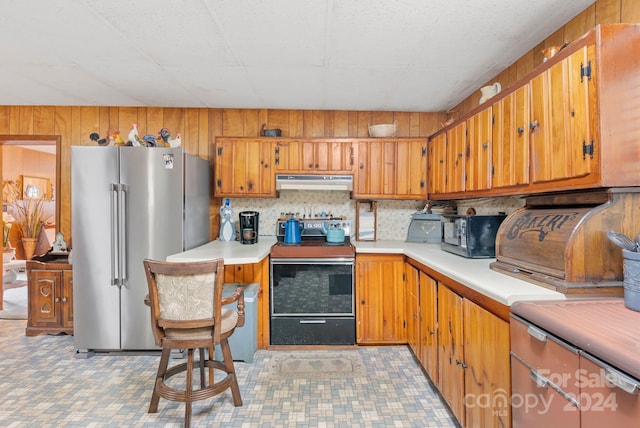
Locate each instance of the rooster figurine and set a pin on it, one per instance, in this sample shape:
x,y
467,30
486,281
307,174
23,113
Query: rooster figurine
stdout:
x,y
163,137
175,142
133,137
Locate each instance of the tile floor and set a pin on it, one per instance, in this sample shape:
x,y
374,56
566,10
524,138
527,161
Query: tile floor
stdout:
x,y
43,385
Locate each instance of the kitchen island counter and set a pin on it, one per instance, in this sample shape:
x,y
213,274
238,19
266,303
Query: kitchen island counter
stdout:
x,y
472,273
233,252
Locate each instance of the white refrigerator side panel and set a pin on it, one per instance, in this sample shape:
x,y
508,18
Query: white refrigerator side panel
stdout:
x,y
96,302
154,179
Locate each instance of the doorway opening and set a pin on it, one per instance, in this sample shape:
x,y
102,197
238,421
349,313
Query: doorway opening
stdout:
x,y
30,168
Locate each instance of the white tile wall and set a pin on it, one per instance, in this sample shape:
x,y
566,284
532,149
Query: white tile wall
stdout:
x,y
393,216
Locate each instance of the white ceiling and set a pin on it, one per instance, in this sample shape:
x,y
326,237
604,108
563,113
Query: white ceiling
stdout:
x,y
394,55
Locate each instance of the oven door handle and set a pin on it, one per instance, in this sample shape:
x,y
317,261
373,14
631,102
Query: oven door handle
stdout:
x,y
313,321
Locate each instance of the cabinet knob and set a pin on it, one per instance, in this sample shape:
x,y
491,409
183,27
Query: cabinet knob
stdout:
x,y
56,299
64,299
431,332
520,130
362,302
533,125
361,166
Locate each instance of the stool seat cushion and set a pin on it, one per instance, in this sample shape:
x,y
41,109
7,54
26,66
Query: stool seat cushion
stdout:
x,y
229,321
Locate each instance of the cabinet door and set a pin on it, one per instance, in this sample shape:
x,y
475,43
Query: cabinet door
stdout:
x,y
563,105
66,298
44,298
451,351
428,325
487,377
436,161
333,157
380,313
478,159
288,156
244,168
456,146
510,148
413,309
391,169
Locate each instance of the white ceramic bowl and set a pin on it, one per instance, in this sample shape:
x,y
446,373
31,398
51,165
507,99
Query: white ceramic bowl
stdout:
x,y
383,130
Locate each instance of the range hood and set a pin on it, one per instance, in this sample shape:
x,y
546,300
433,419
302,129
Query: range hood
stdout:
x,y
314,182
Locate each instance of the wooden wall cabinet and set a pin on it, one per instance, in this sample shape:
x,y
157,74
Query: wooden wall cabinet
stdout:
x,y
380,297
437,165
479,146
510,148
390,169
244,168
50,290
314,156
572,123
455,161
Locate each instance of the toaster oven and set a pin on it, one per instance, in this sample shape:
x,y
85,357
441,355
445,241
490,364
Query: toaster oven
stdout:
x,y
472,236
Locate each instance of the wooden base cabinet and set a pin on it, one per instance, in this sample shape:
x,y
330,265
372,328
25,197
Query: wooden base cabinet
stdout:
x,y
50,309
380,297
473,361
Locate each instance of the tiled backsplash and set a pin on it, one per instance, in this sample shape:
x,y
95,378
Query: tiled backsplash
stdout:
x,y
393,216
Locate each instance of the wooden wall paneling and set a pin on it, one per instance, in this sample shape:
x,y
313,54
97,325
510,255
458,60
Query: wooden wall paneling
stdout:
x,y
203,133
25,124
43,123
353,123
317,124
5,119
63,128
608,11
413,126
252,121
89,122
14,120
232,122
190,131
174,120
341,124
143,125
296,123
380,117
524,64
580,24
364,120
329,123
114,121
401,119
126,117
629,11
154,120
278,119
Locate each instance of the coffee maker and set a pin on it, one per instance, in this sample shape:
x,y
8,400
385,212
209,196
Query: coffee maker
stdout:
x,y
249,227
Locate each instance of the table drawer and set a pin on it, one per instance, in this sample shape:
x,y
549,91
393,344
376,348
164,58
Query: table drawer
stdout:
x,y
553,358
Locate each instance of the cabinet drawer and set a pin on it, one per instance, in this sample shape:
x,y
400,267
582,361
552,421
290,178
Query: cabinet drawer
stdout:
x,y
607,397
537,403
551,357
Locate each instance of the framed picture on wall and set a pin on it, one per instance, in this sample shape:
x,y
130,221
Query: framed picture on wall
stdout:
x,y
35,187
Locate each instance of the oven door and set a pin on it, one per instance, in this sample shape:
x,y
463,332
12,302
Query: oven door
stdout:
x,y
312,301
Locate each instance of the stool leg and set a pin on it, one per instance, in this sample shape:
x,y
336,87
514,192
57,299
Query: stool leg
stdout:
x,y
162,370
211,358
201,367
188,388
228,363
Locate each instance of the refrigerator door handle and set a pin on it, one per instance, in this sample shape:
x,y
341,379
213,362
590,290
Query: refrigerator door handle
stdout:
x,y
123,235
115,197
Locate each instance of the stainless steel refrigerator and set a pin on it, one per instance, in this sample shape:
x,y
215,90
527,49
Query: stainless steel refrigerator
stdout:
x,y
127,204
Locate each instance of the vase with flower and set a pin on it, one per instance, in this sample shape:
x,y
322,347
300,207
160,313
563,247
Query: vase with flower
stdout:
x,y
8,252
31,216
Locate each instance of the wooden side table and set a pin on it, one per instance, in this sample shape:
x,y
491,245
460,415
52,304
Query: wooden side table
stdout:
x,y
50,309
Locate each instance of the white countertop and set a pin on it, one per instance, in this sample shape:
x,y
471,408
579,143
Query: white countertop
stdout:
x,y
233,253
473,273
